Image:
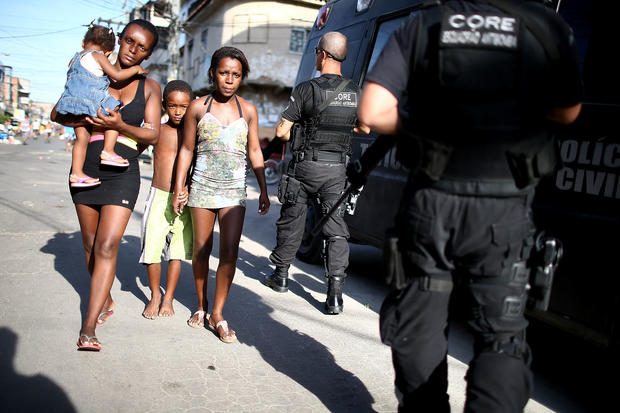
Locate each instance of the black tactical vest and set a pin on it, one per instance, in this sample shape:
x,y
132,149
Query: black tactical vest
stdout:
x,y
331,129
472,84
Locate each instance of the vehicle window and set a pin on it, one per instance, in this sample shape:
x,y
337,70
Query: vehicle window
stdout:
x,y
384,31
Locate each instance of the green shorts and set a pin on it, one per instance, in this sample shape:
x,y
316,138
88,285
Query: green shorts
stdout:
x,y
163,232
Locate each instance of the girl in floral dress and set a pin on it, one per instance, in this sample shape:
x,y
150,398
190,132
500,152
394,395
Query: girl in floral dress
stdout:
x,y
221,127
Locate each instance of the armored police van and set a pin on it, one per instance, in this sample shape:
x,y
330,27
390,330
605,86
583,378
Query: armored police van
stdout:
x,y
579,204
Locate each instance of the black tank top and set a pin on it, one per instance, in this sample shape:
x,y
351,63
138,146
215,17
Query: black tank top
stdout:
x,y
133,112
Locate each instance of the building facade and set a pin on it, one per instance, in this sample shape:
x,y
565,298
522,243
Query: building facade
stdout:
x,y
272,35
14,91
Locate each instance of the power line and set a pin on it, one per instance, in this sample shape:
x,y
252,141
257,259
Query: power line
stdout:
x,y
16,17
109,21
102,6
39,34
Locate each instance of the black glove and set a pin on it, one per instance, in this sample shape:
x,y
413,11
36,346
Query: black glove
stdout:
x,y
355,174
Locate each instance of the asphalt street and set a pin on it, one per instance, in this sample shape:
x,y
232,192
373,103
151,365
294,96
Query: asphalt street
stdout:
x,y
290,356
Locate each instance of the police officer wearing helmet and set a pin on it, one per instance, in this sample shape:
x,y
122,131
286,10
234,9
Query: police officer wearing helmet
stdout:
x,y
483,80
323,115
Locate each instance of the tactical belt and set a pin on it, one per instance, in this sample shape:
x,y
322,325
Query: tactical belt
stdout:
x,y
320,156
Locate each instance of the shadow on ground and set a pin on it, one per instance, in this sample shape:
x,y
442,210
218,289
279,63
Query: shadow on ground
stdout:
x,y
292,352
27,393
69,262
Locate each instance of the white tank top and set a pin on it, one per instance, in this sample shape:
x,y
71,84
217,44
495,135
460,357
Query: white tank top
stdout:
x,y
89,63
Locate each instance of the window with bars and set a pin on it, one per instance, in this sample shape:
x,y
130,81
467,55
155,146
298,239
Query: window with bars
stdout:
x,y
299,35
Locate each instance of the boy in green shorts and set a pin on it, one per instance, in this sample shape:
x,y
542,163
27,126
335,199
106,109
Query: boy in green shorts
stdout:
x,y
163,232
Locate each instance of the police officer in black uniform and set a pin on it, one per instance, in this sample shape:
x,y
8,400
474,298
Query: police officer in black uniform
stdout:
x,y
324,112
482,79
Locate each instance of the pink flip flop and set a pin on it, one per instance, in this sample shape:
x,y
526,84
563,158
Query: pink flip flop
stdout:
x,y
90,344
83,182
113,160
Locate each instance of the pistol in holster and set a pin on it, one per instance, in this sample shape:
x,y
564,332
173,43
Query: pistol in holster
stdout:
x,y
545,259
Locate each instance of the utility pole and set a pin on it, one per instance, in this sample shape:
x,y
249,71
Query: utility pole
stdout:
x,y
110,23
174,29
173,43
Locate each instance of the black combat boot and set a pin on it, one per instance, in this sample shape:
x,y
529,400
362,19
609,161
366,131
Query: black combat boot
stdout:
x,y
278,279
333,303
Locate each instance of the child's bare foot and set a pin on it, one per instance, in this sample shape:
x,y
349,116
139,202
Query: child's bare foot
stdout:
x,y
75,174
112,159
166,308
152,308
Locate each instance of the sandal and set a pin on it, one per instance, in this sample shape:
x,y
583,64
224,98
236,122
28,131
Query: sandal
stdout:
x,y
200,323
113,160
229,335
83,182
103,316
90,344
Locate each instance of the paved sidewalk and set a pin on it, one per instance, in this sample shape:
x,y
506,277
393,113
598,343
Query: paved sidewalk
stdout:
x,y
290,356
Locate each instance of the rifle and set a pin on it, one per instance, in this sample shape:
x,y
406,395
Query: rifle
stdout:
x,y
357,173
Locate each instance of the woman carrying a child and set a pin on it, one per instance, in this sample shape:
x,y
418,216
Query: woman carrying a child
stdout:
x,y
104,210
87,90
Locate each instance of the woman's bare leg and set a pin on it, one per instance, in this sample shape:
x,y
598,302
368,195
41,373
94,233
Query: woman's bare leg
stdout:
x,y
102,256
231,224
88,217
203,221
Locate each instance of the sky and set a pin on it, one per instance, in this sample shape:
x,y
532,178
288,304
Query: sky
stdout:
x,y
38,38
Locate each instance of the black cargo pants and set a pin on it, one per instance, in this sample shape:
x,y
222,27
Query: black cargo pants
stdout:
x,y
483,242
327,181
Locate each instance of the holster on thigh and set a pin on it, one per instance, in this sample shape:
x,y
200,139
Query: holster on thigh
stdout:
x,y
288,190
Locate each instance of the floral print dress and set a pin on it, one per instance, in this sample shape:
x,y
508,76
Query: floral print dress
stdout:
x,y
218,178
